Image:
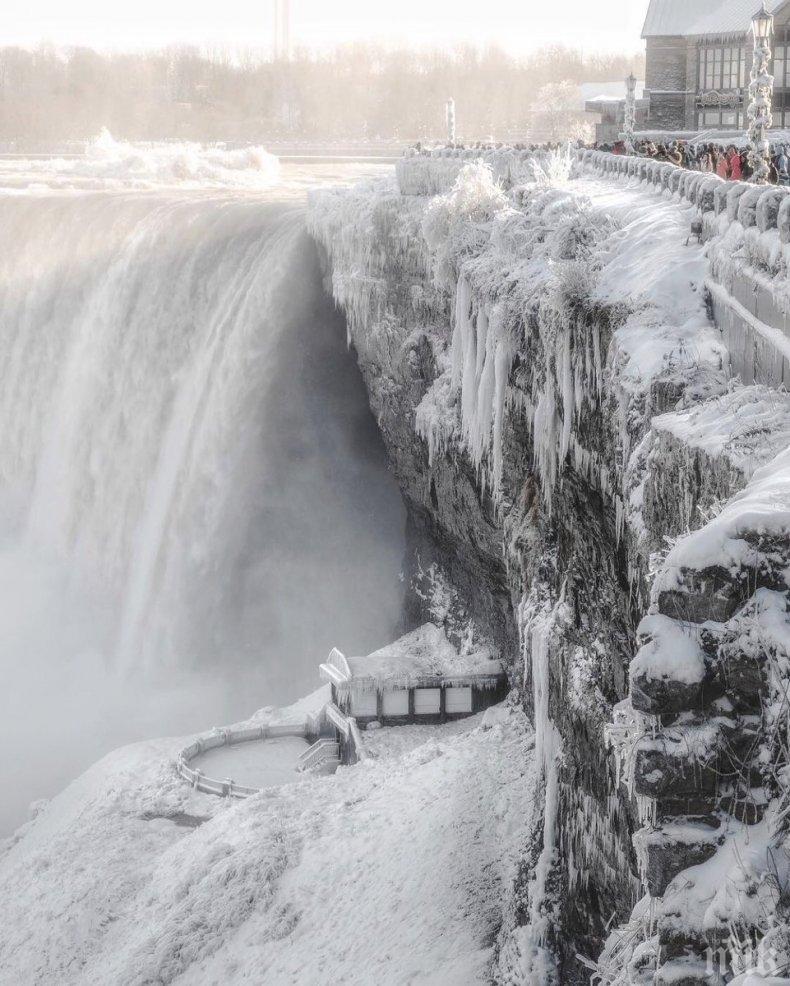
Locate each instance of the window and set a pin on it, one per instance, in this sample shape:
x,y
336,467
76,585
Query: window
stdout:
x,y
364,704
718,119
396,703
426,701
721,68
710,79
458,700
780,66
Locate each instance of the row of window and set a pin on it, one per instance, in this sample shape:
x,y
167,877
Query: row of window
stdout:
x,y
725,68
722,68
426,702
707,119
736,119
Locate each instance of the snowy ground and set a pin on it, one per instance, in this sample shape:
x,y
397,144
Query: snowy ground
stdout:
x,y
391,872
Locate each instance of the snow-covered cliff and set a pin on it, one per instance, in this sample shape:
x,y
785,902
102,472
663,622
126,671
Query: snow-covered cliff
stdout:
x,y
576,458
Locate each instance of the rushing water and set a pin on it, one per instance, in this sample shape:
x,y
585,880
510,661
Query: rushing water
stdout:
x,y
194,503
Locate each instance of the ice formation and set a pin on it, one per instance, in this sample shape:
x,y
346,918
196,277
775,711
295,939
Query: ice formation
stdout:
x,y
565,356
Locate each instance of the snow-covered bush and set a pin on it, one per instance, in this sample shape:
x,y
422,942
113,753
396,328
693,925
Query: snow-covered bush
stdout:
x,y
456,226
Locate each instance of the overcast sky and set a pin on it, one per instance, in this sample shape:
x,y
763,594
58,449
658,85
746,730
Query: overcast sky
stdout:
x,y
610,25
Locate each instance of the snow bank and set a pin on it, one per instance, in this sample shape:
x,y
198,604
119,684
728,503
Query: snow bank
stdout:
x,y
760,513
425,651
669,652
747,425
393,872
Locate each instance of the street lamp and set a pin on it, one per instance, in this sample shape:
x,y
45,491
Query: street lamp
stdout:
x,y
450,113
761,88
629,121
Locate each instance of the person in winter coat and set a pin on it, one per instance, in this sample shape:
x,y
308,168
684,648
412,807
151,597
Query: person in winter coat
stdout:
x,y
746,168
673,155
734,161
782,166
722,165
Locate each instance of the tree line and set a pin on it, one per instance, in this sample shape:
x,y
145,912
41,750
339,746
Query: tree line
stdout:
x,y
360,91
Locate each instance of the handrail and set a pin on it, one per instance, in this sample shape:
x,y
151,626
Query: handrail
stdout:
x,y
309,727
356,736
325,741
323,751
347,726
706,190
338,718
228,737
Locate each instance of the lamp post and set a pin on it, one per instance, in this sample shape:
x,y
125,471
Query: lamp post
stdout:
x,y
761,88
450,114
629,121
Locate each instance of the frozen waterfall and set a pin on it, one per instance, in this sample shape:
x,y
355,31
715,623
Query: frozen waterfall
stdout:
x,y
194,502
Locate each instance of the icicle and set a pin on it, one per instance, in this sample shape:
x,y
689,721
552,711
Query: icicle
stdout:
x,y
461,330
503,362
568,401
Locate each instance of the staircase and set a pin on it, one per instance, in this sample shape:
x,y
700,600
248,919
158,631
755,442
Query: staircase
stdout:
x,y
323,757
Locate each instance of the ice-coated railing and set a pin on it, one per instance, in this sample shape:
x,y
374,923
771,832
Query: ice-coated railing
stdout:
x,y
308,729
432,172
764,206
351,745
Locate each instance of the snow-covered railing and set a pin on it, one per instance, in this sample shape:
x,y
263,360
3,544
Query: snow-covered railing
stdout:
x,y
764,206
747,227
352,747
432,172
319,753
228,788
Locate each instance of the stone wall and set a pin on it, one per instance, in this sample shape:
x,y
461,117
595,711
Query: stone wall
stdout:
x,y
667,83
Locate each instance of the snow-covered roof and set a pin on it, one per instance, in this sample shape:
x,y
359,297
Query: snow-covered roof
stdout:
x,y
424,653
666,18
593,92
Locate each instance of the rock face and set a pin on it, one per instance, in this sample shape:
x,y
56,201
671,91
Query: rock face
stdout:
x,y
525,344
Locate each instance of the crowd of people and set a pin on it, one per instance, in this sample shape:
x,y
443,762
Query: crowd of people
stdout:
x,y
727,162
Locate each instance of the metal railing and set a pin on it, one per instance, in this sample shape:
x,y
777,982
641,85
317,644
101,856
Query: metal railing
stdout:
x,y
227,787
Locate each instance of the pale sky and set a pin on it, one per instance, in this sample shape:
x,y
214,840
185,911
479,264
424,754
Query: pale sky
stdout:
x,y
606,25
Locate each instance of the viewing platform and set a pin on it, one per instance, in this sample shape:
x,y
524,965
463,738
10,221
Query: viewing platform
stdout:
x,y
420,679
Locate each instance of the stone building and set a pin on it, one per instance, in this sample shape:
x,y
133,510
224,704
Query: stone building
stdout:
x,y
605,103
698,62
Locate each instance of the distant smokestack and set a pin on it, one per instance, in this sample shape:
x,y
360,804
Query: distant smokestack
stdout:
x,y
282,30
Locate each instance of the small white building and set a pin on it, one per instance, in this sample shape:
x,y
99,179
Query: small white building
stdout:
x,y
420,678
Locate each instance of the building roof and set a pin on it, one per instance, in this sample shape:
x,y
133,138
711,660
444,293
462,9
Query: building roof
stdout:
x,y
670,18
593,92
424,653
